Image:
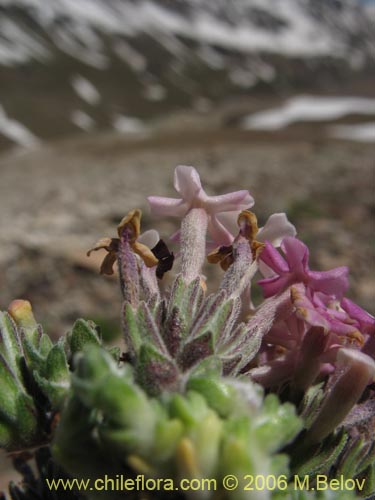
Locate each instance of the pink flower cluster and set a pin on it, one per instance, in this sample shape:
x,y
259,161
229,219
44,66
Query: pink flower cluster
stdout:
x,y
305,345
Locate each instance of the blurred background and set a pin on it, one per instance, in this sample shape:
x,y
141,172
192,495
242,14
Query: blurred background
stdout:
x,y
101,99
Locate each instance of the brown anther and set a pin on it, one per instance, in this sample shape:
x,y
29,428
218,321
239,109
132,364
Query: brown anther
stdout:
x,y
256,248
223,256
356,337
111,246
132,223
248,224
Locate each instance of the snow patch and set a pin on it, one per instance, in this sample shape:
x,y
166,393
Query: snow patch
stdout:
x,y
309,108
242,78
129,55
85,90
155,92
129,125
16,132
82,120
77,26
361,132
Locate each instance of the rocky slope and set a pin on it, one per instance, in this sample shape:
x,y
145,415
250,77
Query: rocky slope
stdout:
x,y
80,65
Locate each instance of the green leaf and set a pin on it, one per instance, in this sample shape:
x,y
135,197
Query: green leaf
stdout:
x,y
217,393
155,371
10,343
83,334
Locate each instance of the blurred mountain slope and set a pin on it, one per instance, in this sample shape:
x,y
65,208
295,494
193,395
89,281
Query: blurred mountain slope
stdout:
x,y
69,65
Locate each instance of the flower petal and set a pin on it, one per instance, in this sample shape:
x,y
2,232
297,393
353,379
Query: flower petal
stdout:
x,y
149,238
296,254
272,286
187,182
238,200
276,229
220,235
160,205
365,320
333,282
229,221
273,259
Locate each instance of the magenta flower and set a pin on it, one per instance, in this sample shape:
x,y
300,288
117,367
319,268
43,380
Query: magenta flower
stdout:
x,y
294,268
304,346
188,184
361,318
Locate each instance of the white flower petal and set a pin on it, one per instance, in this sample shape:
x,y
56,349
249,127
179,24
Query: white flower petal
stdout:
x,y
149,238
276,229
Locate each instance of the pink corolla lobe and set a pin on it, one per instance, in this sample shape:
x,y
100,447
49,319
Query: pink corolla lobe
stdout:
x,y
294,268
188,184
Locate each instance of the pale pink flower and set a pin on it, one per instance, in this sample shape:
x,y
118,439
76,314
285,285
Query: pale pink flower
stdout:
x,y
188,184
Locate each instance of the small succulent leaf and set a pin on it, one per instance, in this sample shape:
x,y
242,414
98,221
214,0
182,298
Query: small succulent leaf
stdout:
x,y
159,313
217,393
195,297
207,311
45,345
207,439
266,315
311,403
155,371
10,387
366,457
55,391
177,294
27,422
33,335
54,377
209,367
196,350
282,422
125,440
33,357
167,435
187,300
10,343
173,331
57,368
350,457
220,322
148,329
101,385
190,409
230,363
248,350
321,461
84,333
